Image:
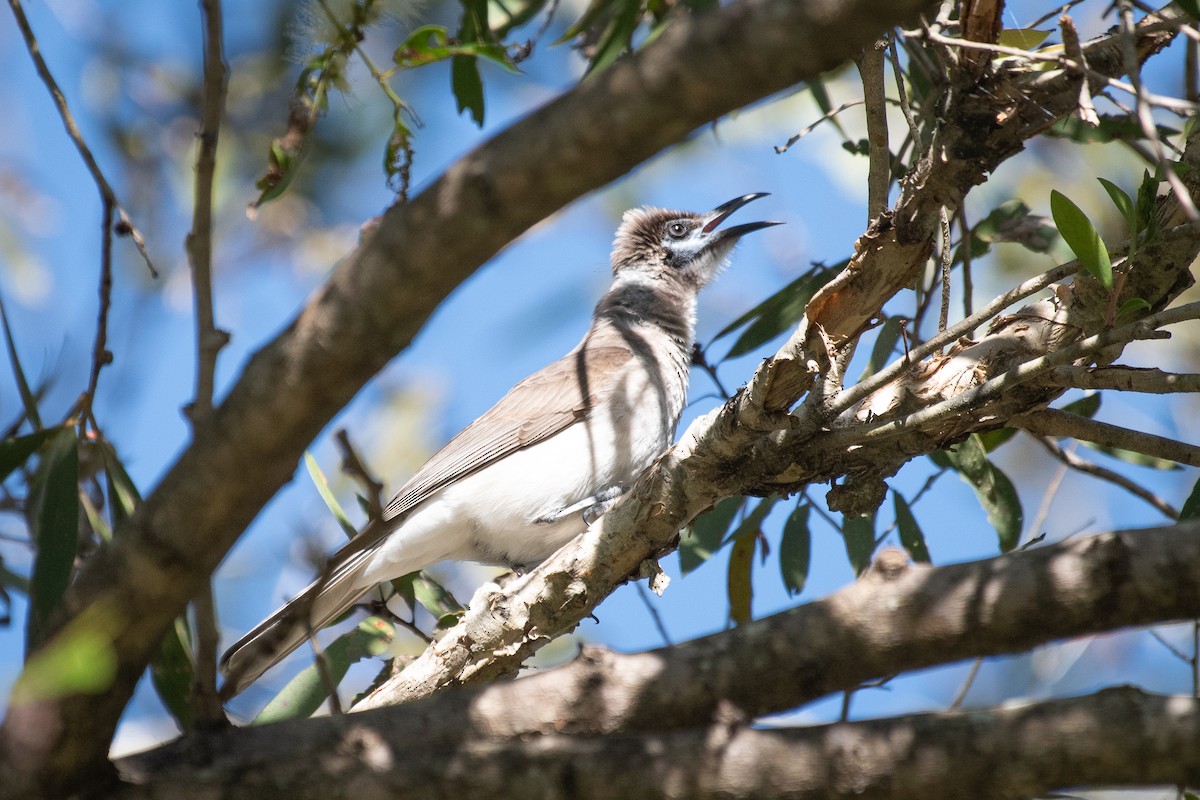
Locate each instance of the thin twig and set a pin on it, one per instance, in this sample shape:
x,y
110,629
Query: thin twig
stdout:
x,y
1125,379
809,129
209,340
1145,116
1048,499
849,397
1022,373
870,70
1070,37
913,131
64,112
946,258
100,352
1078,464
353,466
1056,422
961,694
648,602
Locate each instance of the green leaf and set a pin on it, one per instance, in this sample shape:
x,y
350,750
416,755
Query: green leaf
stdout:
x,y
741,591
1123,202
885,343
993,439
704,536
435,599
1086,406
80,659
618,36
431,43
1191,506
995,491
1132,306
304,693
820,94
1081,236
467,87
171,672
12,580
910,532
778,313
322,483
858,532
752,524
1147,205
27,398
56,526
795,549
123,495
16,451
1022,38
1133,457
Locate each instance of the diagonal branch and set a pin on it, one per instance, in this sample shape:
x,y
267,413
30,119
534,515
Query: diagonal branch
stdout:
x,y
1056,422
702,66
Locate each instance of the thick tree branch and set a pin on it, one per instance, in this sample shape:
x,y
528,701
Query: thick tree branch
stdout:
x,y
895,619
703,66
1025,750
1125,379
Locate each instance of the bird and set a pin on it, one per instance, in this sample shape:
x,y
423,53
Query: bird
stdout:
x,y
557,451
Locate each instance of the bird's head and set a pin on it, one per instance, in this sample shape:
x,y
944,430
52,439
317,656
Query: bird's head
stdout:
x,y
681,246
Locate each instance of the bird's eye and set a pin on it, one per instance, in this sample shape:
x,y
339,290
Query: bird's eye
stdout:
x,y
677,230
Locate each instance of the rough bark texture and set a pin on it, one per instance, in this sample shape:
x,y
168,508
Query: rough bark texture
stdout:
x,y
1012,752
753,446
898,617
702,67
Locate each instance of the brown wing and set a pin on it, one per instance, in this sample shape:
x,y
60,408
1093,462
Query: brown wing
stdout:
x,y
535,409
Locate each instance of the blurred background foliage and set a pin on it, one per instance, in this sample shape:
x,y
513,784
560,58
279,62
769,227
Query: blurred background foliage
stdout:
x,y
335,109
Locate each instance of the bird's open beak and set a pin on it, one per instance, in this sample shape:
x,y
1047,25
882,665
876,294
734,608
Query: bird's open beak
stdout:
x,y
722,212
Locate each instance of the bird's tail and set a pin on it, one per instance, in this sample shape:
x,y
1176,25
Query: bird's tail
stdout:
x,y
285,630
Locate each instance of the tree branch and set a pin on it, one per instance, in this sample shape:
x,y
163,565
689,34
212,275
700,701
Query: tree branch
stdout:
x,y
1055,422
701,67
1124,379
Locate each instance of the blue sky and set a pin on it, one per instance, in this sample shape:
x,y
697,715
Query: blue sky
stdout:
x,y
525,308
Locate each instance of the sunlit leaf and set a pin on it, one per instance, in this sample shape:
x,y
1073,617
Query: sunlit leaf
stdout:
x,y
322,483
80,659
704,536
56,514
1022,38
740,587
305,693
1133,457
995,491
1081,236
795,549
437,600
1132,306
858,531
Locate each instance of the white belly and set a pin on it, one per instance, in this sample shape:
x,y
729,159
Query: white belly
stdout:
x,y
496,515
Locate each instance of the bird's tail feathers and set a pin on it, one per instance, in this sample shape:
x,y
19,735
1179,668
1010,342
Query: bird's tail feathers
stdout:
x,y
285,630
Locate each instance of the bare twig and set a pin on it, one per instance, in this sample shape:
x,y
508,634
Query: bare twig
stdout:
x,y
946,258
849,397
1055,422
1047,499
209,340
64,112
809,129
961,695
870,70
995,387
1070,37
353,466
1145,117
1124,379
1078,464
913,131
656,618
100,352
